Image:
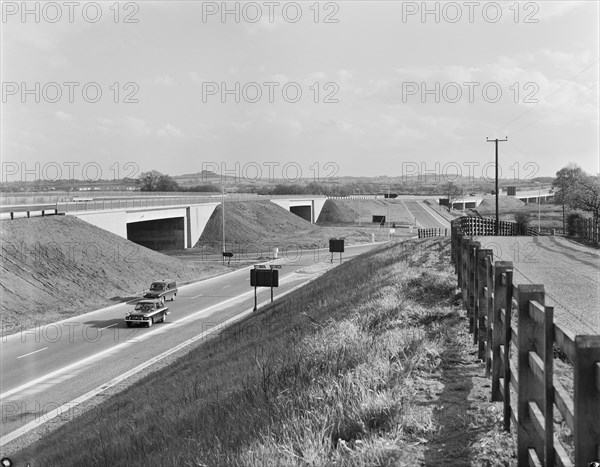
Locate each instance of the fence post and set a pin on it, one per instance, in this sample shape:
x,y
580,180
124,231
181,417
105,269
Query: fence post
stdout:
x,y
489,269
471,287
526,432
465,271
587,400
498,326
480,305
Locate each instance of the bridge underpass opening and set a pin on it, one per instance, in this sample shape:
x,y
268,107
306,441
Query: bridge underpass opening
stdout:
x,y
159,234
305,212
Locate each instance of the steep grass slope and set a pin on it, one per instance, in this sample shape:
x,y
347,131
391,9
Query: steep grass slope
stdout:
x,y
340,211
262,225
54,267
371,365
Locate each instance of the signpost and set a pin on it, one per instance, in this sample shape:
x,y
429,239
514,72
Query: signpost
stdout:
x,y
260,276
228,255
336,245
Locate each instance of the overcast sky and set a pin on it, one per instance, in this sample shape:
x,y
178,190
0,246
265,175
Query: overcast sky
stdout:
x,y
384,89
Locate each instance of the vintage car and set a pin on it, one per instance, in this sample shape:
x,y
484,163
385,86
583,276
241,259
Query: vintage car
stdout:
x,y
163,290
147,312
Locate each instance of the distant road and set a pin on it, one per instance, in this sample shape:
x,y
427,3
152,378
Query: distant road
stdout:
x,y
425,216
570,273
47,367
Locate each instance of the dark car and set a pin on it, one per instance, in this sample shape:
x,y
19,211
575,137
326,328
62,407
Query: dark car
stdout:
x,y
162,290
147,312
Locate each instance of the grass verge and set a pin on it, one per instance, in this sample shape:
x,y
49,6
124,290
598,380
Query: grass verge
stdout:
x,y
370,365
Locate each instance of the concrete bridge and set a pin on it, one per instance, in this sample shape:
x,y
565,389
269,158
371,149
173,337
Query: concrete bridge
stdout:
x,y
180,226
532,196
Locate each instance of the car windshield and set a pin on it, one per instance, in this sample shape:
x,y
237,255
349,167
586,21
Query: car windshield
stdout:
x,y
143,307
157,286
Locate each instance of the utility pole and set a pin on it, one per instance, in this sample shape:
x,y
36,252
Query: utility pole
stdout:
x,y
359,207
497,225
539,204
563,205
223,217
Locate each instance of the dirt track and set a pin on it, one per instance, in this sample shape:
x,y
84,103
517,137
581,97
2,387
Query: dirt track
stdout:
x,y
570,273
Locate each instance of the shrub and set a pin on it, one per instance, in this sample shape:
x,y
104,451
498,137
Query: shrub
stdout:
x,y
522,220
571,220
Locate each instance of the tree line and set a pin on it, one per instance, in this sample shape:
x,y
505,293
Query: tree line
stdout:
x,y
572,185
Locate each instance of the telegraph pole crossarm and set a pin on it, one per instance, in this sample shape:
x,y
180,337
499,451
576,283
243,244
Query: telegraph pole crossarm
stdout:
x,y
496,141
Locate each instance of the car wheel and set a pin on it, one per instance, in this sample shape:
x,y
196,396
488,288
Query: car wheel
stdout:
x,y
151,322
128,324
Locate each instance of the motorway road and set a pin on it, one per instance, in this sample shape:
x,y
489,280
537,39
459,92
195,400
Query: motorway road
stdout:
x,y
48,367
570,273
425,216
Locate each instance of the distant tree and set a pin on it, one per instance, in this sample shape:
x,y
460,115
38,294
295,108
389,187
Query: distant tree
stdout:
x,y
166,183
452,191
149,180
207,188
567,179
156,181
585,195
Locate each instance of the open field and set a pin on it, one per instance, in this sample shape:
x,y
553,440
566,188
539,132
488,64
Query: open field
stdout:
x,y
371,365
550,213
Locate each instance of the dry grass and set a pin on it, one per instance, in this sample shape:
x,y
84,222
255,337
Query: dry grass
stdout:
x,y
371,365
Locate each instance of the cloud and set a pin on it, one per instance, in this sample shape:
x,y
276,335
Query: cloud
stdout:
x,y
170,130
137,125
554,9
164,80
63,116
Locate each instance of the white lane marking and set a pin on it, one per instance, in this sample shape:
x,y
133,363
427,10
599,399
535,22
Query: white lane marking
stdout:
x,y
113,324
69,405
196,296
225,286
116,347
31,353
146,335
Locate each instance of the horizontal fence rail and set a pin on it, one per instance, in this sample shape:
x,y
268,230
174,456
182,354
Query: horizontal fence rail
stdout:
x,y
516,337
433,232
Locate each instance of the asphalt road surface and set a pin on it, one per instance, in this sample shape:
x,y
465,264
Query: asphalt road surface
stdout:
x,y
48,367
425,216
570,273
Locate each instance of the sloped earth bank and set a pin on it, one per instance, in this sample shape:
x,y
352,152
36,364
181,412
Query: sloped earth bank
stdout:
x,y
59,266
370,365
340,211
260,226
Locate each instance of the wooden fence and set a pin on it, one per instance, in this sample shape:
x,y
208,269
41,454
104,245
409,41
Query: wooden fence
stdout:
x,y
587,229
490,297
485,226
41,212
433,232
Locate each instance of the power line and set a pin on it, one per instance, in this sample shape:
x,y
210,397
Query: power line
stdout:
x,y
552,93
555,109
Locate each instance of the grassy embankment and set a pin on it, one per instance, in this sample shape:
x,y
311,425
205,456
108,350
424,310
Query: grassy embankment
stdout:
x,y
254,228
60,266
550,214
371,365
